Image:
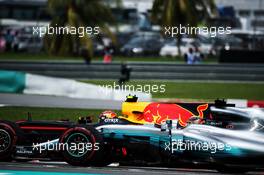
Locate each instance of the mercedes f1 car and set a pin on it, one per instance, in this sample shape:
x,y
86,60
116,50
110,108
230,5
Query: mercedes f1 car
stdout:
x,y
218,134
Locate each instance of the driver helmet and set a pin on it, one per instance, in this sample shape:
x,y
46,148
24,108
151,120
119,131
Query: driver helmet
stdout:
x,y
107,114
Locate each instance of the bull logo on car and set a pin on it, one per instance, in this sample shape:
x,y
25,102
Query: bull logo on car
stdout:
x,y
159,112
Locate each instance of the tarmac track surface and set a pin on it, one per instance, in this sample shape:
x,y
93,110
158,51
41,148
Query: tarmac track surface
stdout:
x,y
61,168
56,102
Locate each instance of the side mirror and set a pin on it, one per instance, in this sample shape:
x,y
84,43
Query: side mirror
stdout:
x,y
173,124
163,126
169,124
166,125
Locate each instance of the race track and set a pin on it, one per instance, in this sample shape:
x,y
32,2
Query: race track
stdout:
x,y
140,70
56,102
61,168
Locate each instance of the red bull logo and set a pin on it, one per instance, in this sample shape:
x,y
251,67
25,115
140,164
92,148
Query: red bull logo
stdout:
x,y
159,112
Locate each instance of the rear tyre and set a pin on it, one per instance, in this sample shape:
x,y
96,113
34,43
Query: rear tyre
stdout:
x,y
8,140
82,146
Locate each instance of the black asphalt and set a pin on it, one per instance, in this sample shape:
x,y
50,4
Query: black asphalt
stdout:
x,y
128,170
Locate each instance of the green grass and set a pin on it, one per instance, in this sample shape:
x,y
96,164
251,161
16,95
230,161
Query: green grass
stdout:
x,y
18,113
33,56
44,56
200,90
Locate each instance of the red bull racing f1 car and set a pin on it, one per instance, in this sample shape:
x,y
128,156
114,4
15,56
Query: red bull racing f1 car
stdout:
x,y
218,135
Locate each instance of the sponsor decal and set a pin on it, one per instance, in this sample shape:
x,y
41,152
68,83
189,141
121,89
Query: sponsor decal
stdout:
x,y
159,112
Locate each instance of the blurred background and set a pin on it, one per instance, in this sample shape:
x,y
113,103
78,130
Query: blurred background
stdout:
x,y
132,47
132,28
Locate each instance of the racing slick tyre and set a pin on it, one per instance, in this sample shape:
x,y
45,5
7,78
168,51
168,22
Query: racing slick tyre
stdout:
x,y
82,146
8,140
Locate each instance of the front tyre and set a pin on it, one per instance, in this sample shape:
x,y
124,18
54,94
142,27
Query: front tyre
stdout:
x,y
8,140
82,146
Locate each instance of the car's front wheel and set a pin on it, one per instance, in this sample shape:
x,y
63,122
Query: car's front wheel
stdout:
x,y
7,141
82,146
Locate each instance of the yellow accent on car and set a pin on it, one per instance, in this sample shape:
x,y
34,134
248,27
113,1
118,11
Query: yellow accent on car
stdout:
x,y
132,111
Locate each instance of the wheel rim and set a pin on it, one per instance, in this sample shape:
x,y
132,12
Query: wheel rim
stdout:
x,y
5,140
80,141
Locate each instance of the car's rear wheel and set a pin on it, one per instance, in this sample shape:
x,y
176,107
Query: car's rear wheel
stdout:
x,y
7,142
82,146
